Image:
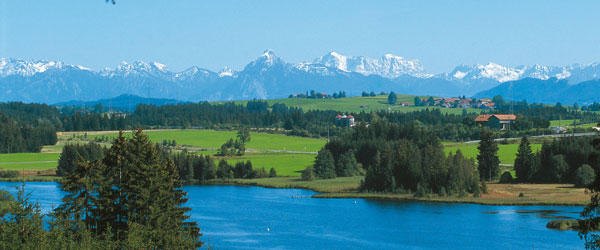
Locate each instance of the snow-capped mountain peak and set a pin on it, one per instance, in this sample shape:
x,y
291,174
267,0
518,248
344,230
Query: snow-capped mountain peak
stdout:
x,y
226,72
491,71
11,66
388,66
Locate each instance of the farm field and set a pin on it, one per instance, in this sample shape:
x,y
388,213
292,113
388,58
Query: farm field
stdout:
x,y
569,123
352,104
215,138
28,161
263,149
284,163
506,152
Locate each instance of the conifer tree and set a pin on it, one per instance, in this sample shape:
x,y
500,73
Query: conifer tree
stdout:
x,y
489,164
324,165
524,162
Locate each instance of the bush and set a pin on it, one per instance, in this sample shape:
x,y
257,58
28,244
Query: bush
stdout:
x,y
272,173
6,196
308,174
9,174
484,187
584,176
260,173
506,177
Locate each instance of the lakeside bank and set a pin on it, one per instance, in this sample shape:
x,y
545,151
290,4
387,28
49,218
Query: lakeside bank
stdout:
x,y
348,187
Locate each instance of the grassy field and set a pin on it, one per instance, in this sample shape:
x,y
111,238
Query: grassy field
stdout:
x,y
506,152
28,161
215,138
353,104
341,184
285,164
569,123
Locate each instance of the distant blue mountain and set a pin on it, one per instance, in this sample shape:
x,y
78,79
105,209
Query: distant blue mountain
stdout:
x,y
546,91
122,102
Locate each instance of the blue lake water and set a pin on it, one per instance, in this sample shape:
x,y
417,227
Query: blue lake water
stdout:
x,y
240,217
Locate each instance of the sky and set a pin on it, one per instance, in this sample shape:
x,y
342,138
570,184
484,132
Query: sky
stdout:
x,y
214,34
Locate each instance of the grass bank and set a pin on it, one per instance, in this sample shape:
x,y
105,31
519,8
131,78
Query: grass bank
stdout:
x,y
498,194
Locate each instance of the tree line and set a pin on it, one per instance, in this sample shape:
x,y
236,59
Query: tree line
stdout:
x,y
566,160
190,167
397,158
18,137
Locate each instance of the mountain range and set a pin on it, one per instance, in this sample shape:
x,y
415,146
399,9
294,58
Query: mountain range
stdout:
x,y
269,76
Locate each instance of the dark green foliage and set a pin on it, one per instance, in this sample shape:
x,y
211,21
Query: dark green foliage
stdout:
x,y
22,228
392,98
557,161
18,136
272,173
401,158
132,197
308,174
484,187
524,162
9,173
506,177
237,147
260,173
584,176
488,162
224,170
346,165
417,101
74,153
591,213
324,165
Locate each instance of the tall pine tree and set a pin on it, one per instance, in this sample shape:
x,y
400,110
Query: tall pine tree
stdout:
x,y
524,162
489,164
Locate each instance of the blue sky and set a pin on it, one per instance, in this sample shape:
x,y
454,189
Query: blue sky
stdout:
x,y
214,34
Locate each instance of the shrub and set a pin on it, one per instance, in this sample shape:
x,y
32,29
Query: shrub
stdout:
x,y
260,173
308,174
9,174
272,173
484,187
6,196
506,177
521,194
584,176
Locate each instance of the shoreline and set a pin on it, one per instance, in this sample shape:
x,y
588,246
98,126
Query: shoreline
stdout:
x,y
353,193
347,188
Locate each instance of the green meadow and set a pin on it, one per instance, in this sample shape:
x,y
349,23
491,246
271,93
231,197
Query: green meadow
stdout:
x,y
506,152
216,138
353,104
264,149
28,161
284,163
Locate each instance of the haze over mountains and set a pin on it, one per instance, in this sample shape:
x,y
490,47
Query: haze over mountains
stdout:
x,y
269,76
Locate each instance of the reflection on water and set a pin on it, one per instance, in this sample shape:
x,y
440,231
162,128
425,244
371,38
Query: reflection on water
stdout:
x,y
243,217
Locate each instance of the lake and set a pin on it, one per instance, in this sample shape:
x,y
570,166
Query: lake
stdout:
x,y
244,217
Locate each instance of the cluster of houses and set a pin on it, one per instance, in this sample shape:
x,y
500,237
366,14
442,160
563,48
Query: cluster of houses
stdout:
x,y
457,102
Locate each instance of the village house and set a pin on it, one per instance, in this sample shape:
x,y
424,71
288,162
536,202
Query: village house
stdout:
x,y
344,121
501,122
404,104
